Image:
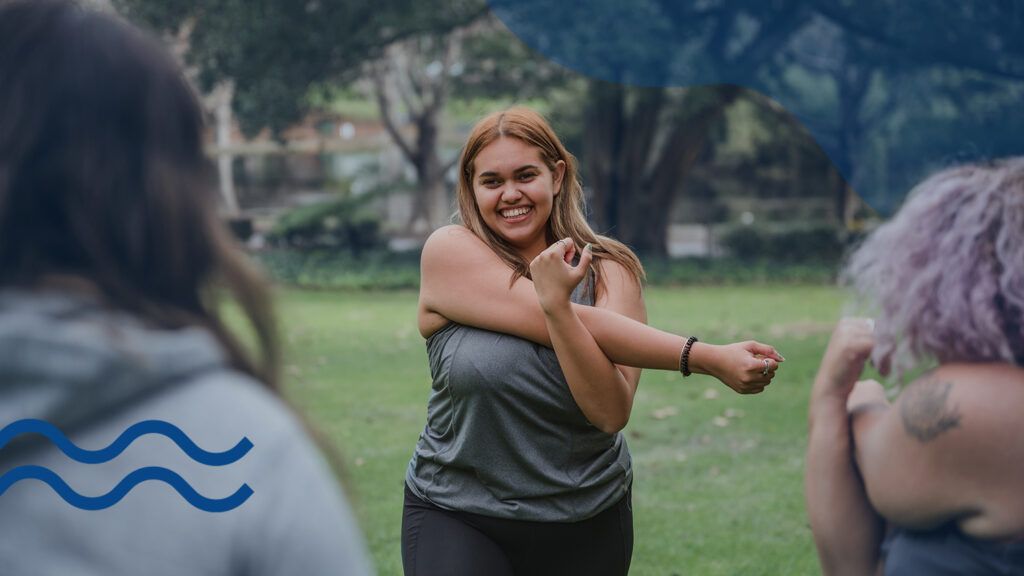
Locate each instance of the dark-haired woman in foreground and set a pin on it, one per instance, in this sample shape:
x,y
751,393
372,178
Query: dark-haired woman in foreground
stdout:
x,y
942,465
535,332
112,264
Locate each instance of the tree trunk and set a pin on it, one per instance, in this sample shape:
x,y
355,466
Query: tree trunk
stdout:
x,y
634,192
853,82
635,203
226,177
423,95
431,207
604,121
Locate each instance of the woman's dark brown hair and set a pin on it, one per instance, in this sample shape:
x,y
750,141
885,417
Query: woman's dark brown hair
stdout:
x,y
103,176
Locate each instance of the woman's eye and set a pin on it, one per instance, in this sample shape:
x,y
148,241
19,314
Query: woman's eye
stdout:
x,y
526,177
490,182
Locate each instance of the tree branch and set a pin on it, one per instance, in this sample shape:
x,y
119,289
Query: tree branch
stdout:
x,y
384,104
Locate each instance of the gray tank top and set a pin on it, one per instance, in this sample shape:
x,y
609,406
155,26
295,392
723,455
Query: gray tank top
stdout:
x,y
504,436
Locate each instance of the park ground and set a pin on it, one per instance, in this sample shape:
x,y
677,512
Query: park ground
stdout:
x,y
718,477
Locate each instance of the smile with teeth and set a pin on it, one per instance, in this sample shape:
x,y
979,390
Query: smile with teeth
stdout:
x,y
515,212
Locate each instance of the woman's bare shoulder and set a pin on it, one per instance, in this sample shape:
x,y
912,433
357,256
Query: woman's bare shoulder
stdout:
x,y
452,234
977,398
435,267
955,450
451,240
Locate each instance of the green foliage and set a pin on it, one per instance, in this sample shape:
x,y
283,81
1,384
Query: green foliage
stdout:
x,y
342,100
736,272
810,245
344,223
341,270
275,50
497,65
763,148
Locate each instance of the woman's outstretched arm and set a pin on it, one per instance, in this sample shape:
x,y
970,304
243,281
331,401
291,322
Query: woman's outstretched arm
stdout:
x,y
464,281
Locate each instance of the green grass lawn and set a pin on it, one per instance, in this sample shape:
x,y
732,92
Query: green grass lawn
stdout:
x,y
718,476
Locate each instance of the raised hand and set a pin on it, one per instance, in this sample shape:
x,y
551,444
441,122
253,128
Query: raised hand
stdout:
x,y
848,350
554,276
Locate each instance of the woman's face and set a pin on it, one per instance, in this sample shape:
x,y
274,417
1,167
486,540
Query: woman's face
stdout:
x,y
515,191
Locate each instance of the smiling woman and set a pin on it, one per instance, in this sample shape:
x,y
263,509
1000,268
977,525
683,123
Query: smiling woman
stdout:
x,y
536,334
514,160
515,192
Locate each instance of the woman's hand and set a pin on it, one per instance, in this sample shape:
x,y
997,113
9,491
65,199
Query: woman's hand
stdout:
x,y
844,359
746,367
554,276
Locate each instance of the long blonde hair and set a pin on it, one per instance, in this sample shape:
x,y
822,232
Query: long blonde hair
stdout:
x,y
567,218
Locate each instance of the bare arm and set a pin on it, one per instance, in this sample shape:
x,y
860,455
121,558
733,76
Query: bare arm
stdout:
x,y
847,531
463,281
602,390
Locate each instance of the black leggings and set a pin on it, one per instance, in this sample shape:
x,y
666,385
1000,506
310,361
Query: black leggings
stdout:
x,y
438,542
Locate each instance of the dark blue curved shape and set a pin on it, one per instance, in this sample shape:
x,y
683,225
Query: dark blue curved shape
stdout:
x,y
123,487
869,80
33,426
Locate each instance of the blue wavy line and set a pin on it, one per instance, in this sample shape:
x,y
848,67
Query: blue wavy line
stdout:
x,y
33,426
123,487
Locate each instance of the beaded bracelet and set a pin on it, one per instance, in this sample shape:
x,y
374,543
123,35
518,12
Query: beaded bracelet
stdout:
x,y
684,356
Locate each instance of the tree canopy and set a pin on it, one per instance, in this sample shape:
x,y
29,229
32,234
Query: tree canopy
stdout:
x,y
274,50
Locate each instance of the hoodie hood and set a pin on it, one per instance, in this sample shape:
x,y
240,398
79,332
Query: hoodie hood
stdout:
x,y
66,359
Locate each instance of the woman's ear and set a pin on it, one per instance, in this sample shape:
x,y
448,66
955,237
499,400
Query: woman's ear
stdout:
x,y
558,174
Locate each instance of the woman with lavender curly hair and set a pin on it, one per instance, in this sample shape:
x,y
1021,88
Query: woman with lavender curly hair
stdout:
x,y
943,465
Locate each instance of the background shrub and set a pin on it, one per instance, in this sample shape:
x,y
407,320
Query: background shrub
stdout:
x,y
804,245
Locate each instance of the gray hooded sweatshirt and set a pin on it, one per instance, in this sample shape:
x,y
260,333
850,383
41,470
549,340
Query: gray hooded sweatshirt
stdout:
x,y
94,373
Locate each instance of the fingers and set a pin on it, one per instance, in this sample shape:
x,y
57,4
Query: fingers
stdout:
x,y
754,366
856,328
751,389
754,381
557,250
761,374
566,250
765,350
563,246
570,251
554,264
763,366
586,256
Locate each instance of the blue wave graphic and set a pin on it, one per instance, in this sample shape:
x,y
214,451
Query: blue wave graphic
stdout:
x,y
33,426
123,487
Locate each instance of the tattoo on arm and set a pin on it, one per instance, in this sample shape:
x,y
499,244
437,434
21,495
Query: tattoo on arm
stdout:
x,y
925,412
